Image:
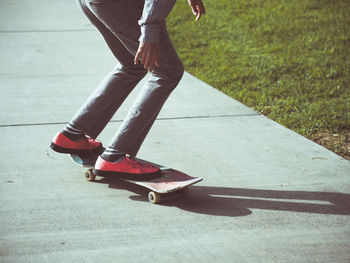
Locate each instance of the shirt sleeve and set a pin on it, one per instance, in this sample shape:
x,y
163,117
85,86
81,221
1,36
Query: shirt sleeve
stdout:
x,y
153,18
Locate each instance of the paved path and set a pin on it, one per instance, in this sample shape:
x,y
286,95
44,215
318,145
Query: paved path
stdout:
x,y
268,195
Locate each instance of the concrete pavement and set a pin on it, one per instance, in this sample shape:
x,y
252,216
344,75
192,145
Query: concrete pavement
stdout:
x,y
268,195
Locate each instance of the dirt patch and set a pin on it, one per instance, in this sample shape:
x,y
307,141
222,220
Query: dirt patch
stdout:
x,y
336,142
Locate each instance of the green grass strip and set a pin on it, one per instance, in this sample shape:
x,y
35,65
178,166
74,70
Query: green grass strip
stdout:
x,y
289,60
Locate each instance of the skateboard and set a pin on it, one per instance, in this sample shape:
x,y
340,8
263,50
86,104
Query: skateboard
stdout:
x,y
171,181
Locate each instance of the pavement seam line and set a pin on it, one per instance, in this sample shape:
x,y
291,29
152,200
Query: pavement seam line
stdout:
x,y
46,31
159,119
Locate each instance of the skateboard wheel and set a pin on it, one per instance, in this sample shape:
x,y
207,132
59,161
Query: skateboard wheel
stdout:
x,y
90,176
153,197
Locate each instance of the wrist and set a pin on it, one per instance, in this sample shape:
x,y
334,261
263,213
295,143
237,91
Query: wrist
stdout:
x,y
150,34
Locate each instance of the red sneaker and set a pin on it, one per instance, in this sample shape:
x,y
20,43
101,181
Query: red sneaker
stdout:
x,y
62,144
127,167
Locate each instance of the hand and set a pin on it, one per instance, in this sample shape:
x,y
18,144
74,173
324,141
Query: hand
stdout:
x,y
197,8
147,54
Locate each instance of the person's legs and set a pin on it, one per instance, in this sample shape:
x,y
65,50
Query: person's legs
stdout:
x,y
142,114
150,100
118,20
99,108
161,83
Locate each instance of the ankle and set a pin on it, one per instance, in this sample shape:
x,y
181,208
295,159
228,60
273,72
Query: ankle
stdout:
x,y
73,137
112,157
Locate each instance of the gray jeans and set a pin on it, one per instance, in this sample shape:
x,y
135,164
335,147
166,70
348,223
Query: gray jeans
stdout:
x,y
117,20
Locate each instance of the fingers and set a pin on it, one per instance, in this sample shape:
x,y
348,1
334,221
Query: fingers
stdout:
x,y
144,57
148,64
197,8
137,57
199,14
194,9
151,62
200,10
147,54
193,6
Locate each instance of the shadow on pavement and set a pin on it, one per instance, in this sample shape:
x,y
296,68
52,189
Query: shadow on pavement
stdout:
x,y
226,201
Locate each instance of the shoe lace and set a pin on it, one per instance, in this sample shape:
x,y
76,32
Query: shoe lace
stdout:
x,y
89,140
135,163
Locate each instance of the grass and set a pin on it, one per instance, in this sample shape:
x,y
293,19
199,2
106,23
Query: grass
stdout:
x,y
289,60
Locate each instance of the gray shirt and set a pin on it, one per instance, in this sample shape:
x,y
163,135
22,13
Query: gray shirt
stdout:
x,y
153,18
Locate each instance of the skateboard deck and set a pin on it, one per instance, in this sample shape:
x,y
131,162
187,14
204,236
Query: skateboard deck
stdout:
x,y
170,182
